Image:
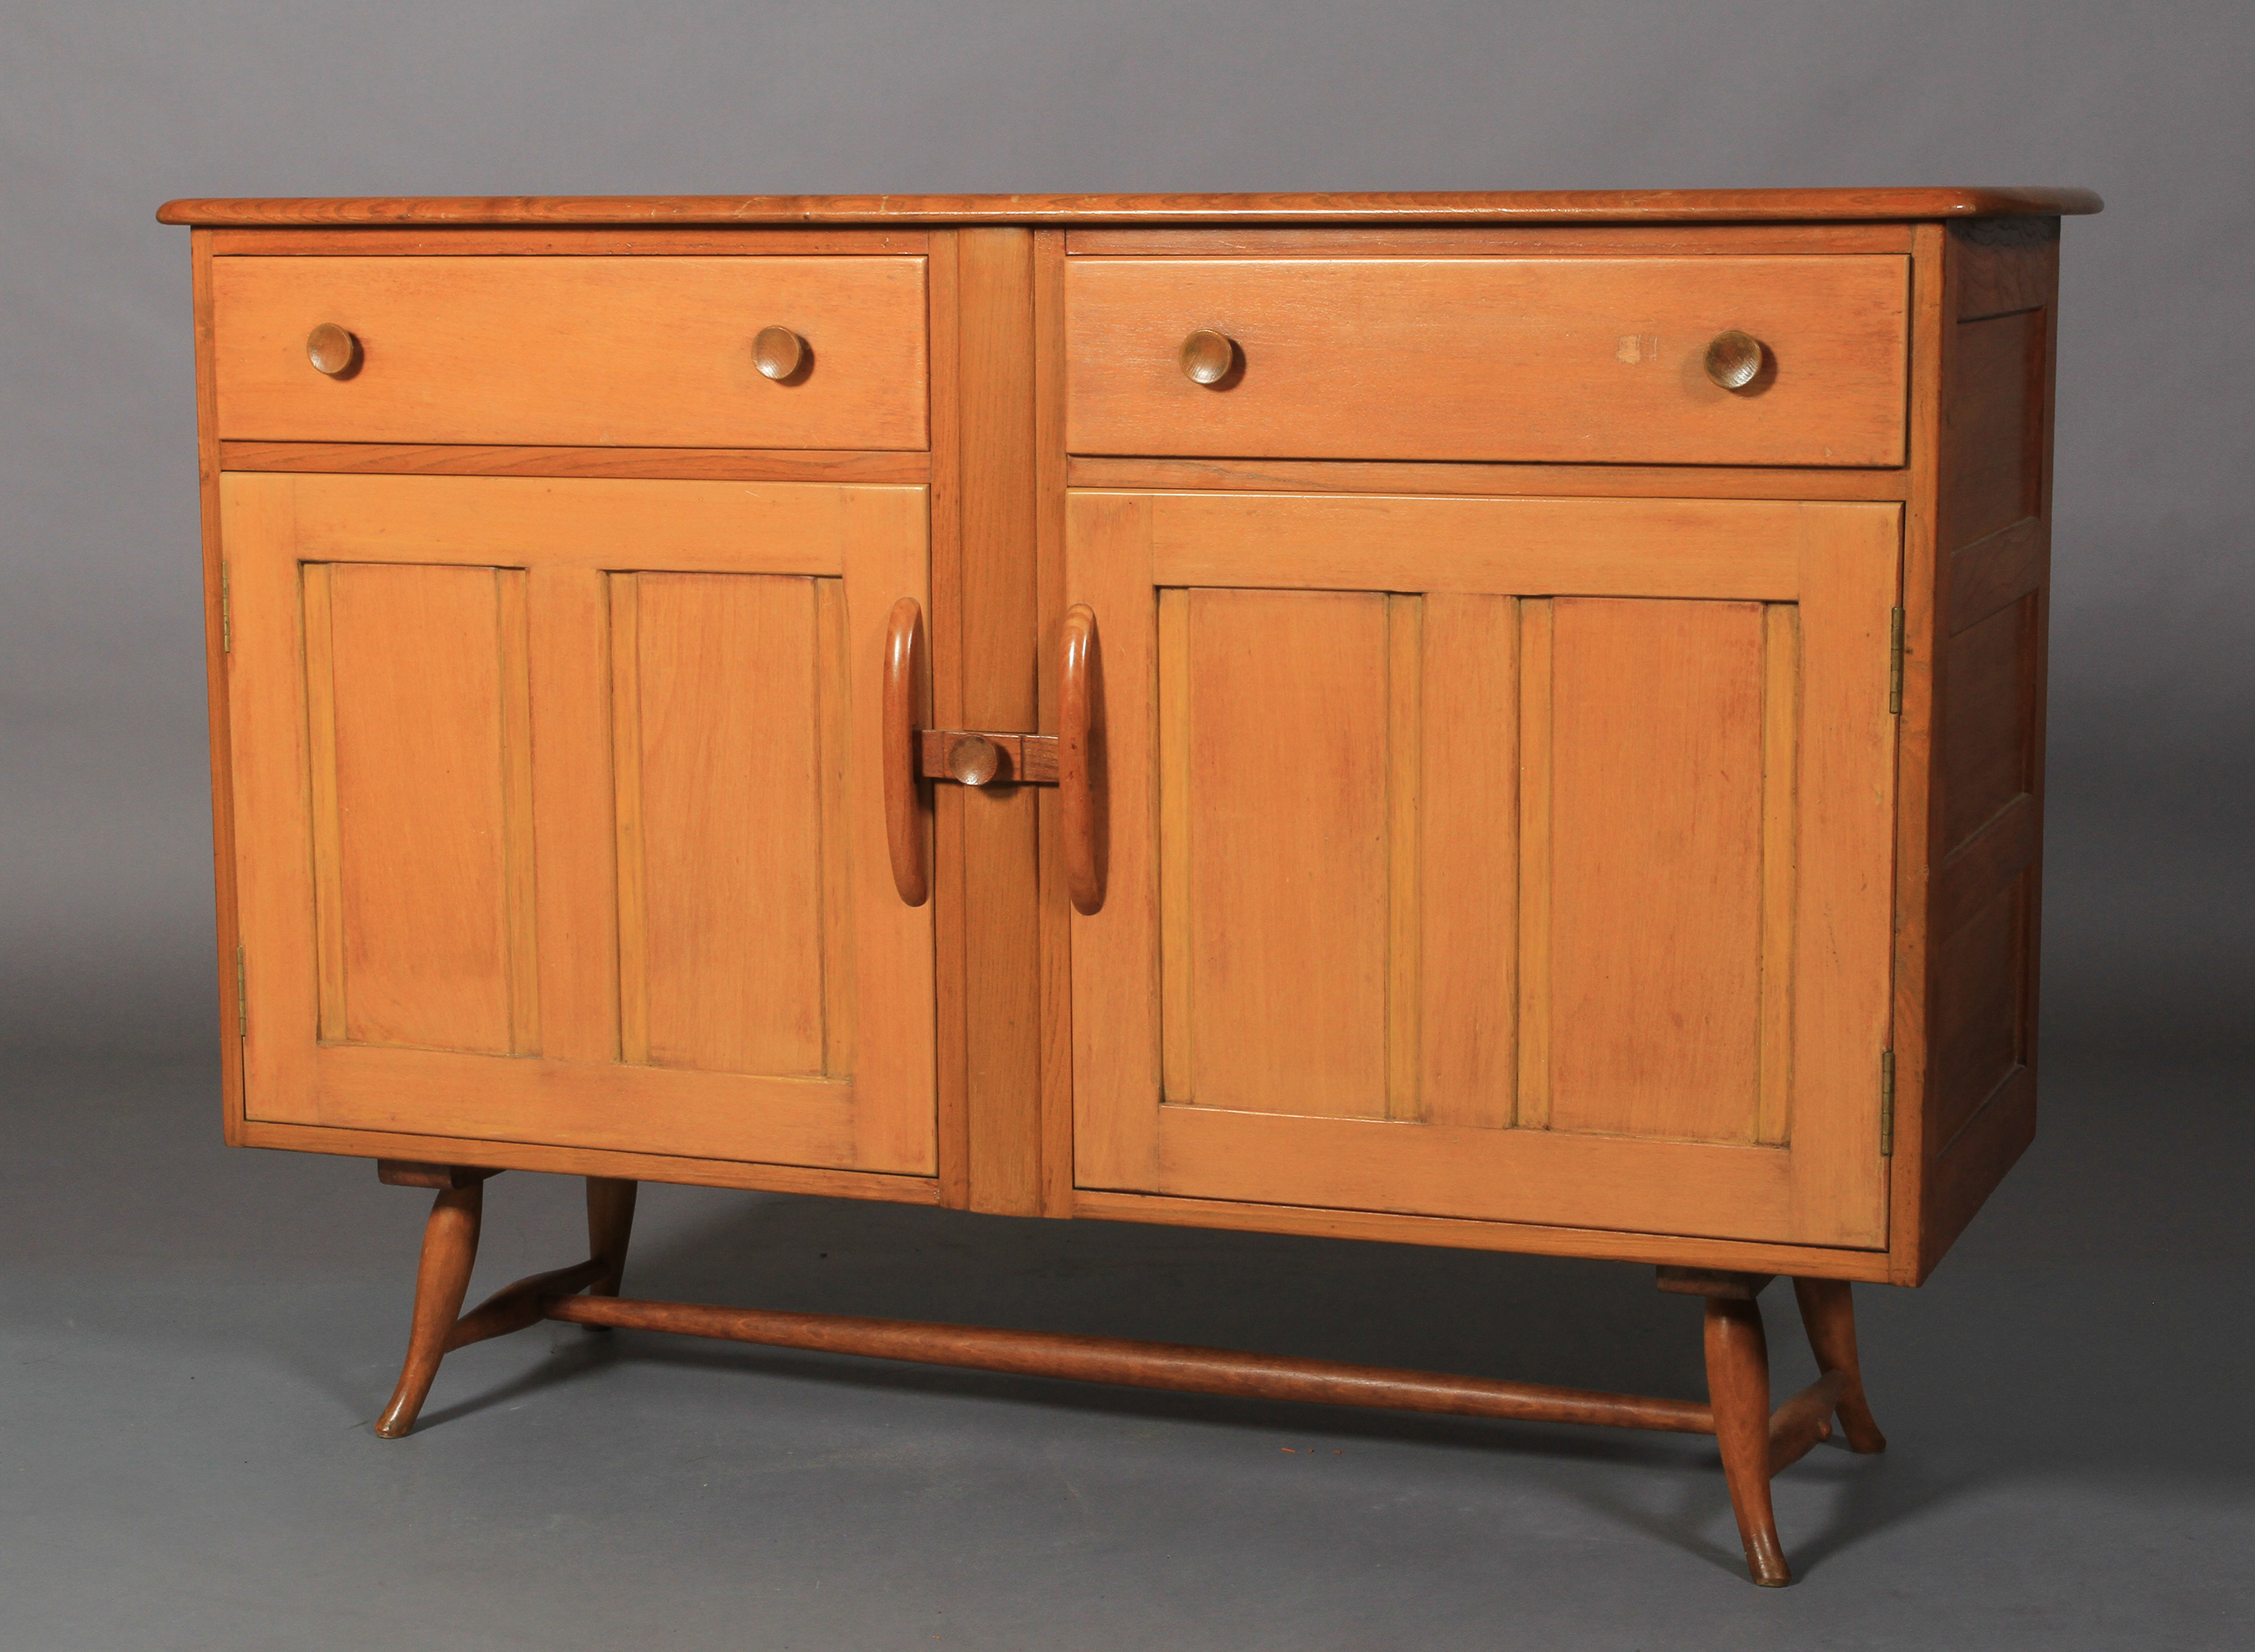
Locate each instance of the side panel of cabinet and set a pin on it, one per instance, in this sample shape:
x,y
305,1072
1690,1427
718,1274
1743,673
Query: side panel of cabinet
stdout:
x,y
1977,1101
1516,860
558,817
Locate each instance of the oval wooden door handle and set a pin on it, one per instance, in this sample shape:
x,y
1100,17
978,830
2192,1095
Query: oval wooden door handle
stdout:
x,y
1080,768
904,832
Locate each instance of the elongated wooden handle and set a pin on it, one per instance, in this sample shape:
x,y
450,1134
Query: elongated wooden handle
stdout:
x,y
904,834
1078,775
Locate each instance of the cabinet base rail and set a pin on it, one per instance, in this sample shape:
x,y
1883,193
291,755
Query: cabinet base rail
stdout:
x,y
1756,1443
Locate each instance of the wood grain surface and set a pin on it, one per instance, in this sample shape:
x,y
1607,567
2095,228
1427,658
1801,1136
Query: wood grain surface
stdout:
x,y
1700,205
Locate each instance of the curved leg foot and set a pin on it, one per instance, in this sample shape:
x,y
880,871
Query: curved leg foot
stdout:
x,y
1828,1309
610,1223
449,1245
1738,1386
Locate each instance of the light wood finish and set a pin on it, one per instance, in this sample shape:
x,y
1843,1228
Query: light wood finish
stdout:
x,y
450,1247
584,241
1643,918
1497,814
1804,1421
606,885
636,1166
1828,1310
1081,762
998,636
1576,360
1476,241
1425,476
1738,1388
419,1173
332,350
653,464
1971,1111
906,833
610,1225
218,700
573,351
1685,206
778,353
1031,759
1143,1365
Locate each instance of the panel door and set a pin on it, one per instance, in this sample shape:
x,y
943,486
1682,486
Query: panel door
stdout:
x,y
560,817
1519,859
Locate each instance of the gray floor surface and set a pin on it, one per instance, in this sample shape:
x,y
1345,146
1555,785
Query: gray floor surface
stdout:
x,y
192,1342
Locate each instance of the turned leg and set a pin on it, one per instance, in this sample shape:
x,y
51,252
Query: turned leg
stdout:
x,y
610,1223
449,1245
1828,1309
1737,1387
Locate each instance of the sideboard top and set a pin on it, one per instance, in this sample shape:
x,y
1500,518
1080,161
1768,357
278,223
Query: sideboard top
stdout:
x,y
1578,206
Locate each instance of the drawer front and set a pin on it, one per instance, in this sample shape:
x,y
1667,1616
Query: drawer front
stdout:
x,y
1552,360
572,351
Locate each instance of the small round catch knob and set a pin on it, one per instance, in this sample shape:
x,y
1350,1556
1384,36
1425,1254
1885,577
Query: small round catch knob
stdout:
x,y
1206,357
778,352
331,349
1733,359
973,759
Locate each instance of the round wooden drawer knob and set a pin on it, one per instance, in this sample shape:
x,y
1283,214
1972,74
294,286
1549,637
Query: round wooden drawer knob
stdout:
x,y
973,759
1733,359
331,349
1206,357
778,352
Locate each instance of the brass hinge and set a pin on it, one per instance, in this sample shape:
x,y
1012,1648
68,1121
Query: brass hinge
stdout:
x,y
1894,660
242,1000
226,614
1886,1104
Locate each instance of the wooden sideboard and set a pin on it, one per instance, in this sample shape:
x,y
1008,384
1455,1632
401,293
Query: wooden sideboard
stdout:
x,y
1511,721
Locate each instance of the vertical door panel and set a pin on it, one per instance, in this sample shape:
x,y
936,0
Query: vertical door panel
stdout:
x,y
717,724
1273,704
416,684
1655,795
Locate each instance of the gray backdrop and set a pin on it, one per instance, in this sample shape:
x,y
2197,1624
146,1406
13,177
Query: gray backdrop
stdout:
x,y
113,1183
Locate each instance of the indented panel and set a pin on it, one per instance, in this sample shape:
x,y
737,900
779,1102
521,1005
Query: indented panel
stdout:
x,y
420,747
1656,841
1583,359
719,735
1979,976
1283,702
1988,720
1993,465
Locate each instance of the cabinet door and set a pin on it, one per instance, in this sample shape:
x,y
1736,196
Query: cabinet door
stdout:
x,y
1519,859
560,817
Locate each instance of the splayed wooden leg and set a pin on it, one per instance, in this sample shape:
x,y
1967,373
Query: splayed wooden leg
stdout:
x,y
610,1223
1828,1309
450,1246
1738,1386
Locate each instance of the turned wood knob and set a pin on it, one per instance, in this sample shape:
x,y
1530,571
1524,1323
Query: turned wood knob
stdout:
x,y
331,349
1733,359
778,352
973,759
1206,357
